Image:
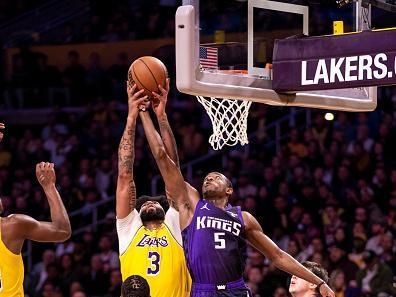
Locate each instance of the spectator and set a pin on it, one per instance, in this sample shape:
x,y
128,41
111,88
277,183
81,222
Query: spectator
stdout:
x,y
108,256
376,278
115,283
339,260
96,280
280,292
79,294
378,230
74,75
39,273
255,281
340,286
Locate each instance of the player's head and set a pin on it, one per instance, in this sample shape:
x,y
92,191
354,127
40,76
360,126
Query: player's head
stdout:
x,y
1,207
216,186
300,288
135,286
152,208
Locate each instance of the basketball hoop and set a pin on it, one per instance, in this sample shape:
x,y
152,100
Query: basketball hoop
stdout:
x,y
229,120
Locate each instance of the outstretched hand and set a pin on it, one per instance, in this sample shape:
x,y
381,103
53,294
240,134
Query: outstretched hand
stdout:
x,y
136,100
159,102
2,127
45,174
325,291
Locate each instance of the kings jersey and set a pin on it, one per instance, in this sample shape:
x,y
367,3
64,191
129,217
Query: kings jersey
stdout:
x,y
214,244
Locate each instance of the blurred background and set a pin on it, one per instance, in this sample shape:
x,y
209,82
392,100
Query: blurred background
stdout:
x,y
322,190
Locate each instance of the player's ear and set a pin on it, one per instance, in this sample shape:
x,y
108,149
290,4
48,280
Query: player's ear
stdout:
x,y
229,191
312,286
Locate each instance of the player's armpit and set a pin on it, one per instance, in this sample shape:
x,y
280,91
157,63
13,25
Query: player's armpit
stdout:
x,y
28,228
193,197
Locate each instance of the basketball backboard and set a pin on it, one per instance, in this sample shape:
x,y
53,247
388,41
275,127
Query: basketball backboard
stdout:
x,y
242,34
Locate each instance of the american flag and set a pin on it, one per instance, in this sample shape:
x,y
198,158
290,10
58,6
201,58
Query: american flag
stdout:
x,y
208,57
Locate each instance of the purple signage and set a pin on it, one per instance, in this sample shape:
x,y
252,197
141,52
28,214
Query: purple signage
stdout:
x,y
334,62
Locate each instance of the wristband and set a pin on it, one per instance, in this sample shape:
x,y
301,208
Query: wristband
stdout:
x,y
322,283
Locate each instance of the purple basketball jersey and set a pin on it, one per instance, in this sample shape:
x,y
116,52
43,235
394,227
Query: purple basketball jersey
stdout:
x,y
214,244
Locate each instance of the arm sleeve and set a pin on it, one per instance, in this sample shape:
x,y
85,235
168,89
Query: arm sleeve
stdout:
x,y
126,230
173,223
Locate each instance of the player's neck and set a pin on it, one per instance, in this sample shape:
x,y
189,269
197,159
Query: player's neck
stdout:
x,y
220,203
153,225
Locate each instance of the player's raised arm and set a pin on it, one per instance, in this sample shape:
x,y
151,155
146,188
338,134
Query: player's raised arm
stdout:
x,y
126,190
281,259
174,181
168,137
165,129
59,228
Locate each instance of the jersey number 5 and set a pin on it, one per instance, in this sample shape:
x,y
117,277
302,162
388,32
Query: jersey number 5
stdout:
x,y
219,240
154,267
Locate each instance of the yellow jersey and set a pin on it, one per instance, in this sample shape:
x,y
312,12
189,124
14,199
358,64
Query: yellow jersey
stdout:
x,y
157,255
11,272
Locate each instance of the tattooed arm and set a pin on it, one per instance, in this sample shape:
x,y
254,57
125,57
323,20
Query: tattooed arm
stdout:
x,y
126,190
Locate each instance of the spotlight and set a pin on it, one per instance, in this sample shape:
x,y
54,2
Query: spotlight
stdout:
x,y
329,116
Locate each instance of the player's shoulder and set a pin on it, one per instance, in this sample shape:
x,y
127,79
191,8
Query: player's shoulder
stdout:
x,y
14,226
248,218
14,220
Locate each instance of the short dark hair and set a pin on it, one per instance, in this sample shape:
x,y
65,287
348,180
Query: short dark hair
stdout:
x,y
160,199
135,286
318,270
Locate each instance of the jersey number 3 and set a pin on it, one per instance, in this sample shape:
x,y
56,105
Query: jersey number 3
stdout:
x,y
154,267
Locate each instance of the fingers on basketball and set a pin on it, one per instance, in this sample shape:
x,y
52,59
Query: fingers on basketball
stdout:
x,y
148,73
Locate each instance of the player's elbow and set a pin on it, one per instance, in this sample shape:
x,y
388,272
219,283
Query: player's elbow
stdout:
x,y
64,232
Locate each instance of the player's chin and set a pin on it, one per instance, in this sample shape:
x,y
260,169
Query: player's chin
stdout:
x,y
208,192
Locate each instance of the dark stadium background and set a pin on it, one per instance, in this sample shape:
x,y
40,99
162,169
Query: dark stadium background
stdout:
x,y
323,191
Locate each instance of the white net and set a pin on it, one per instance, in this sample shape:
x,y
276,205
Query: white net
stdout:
x,y
229,120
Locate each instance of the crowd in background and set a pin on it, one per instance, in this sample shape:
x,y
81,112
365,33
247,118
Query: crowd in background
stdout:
x,y
328,194
35,83
137,19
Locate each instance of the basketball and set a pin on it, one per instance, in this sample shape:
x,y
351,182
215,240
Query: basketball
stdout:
x,y
148,72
